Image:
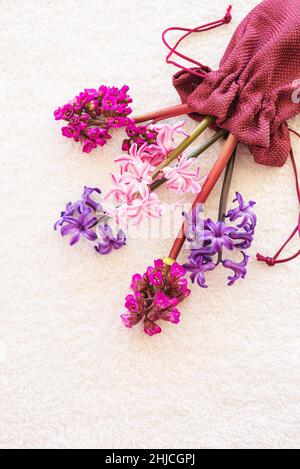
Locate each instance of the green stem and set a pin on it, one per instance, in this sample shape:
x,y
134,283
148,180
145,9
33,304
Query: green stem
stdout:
x,y
206,122
225,192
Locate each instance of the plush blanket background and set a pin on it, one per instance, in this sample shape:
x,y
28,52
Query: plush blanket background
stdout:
x,y
70,375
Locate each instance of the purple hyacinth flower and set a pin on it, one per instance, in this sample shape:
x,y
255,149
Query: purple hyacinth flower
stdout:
x,y
80,226
68,212
109,241
206,251
239,269
244,212
219,235
195,225
86,198
243,239
198,266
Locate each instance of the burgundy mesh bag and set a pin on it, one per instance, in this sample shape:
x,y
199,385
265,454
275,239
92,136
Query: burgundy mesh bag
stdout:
x,y
254,91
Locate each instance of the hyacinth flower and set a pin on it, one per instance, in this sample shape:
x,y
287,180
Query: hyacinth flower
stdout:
x,y
156,140
167,276
99,213
132,189
108,241
211,240
93,114
183,178
156,295
83,220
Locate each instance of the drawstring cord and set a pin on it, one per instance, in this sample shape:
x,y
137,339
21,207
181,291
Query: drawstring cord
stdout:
x,y
173,50
272,261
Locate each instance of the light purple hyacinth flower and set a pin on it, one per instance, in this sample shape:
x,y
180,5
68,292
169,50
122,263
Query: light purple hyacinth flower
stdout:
x,y
243,211
219,235
80,226
109,242
239,269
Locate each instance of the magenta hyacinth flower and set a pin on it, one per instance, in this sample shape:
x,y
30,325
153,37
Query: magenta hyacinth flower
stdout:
x,y
93,114
109,242
138,135
155,297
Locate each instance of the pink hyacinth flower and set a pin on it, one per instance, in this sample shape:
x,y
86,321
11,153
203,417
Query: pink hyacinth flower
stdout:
x,y
135,154
165,143
154,141
120,191
135,177
138,210
183,178
166,135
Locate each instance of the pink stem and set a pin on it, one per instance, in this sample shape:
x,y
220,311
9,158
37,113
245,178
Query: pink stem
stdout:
x,y
165,113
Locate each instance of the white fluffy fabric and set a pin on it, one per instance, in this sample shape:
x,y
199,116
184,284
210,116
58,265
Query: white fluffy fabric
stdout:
x,y
71,376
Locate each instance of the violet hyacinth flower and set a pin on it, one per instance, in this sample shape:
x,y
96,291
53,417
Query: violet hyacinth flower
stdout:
x,y
155,297
68,212
78,207
209,240
93,114
243,211
242,240
80,226
198,266
109,242
219,235
239,269
86,198
81,220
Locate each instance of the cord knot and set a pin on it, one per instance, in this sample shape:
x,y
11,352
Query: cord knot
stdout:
x,y
228,16
270,261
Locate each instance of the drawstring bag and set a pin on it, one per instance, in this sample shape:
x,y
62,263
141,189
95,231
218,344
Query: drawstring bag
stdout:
x,y
254,91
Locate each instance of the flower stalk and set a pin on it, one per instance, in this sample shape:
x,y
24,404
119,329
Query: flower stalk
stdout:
x,y
165,113
226,153
199,151
225,193
206,122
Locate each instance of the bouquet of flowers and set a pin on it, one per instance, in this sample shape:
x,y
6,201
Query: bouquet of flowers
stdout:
x,y
247,100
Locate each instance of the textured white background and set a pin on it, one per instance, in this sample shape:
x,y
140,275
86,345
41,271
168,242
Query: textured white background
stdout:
x,y
70,374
